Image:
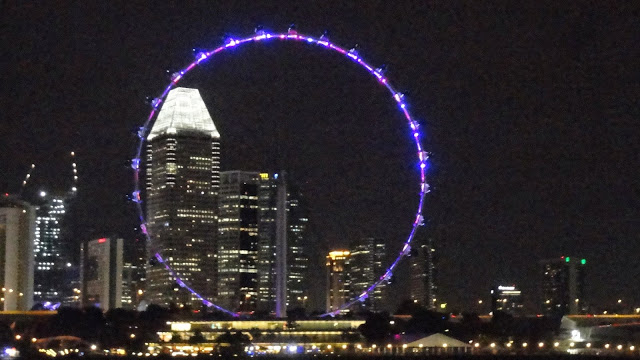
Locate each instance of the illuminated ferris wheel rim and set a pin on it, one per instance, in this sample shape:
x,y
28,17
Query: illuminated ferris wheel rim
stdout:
x,y
323,42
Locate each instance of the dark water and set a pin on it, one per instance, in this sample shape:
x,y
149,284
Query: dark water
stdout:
x,y
343,357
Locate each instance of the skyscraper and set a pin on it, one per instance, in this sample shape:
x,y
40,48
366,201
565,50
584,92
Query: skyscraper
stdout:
x,y
338,286
183,177
281,207
365,266
17,235
297,259
423,285
238,240
101,273
563,285
50,262
267,207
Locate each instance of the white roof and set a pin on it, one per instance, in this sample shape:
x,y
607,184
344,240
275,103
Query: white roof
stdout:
x,y
438,340
183,110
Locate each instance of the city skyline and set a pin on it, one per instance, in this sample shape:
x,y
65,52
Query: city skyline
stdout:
x,y
530,123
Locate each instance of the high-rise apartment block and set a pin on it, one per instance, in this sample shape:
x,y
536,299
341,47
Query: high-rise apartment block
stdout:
x,y
183,177
423,285
563,285
17,235
101,273
337,279
365,265
508,299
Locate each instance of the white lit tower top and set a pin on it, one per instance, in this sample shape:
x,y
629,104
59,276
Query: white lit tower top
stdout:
x,y
183,111
182,183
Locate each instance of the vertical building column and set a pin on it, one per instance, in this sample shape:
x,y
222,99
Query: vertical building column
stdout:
x,y
281,248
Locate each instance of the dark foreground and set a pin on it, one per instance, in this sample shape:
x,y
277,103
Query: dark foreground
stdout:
x,y
344,357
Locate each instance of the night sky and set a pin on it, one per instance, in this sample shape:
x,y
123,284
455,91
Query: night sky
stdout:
x,y
530,112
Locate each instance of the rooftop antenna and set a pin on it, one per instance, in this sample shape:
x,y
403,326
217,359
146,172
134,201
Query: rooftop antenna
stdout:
x,y
74,168
25,181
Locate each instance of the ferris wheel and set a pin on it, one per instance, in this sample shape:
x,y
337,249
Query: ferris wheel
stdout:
x,y
323,43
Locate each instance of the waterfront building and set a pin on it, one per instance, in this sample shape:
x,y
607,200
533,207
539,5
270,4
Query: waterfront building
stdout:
x,y
277,337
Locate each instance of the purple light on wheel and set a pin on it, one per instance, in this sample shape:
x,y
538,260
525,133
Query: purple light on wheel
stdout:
x,y
323,42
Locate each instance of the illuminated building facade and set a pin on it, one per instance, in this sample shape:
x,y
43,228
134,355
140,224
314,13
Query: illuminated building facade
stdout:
x,y
422,264
277,194
182,181
563,286
50,264
17,235
297,259
101,273
338,287
365,266
238,240
507,299
267,207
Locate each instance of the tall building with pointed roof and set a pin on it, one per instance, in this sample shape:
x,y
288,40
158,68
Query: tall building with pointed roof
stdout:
x,y
182,183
